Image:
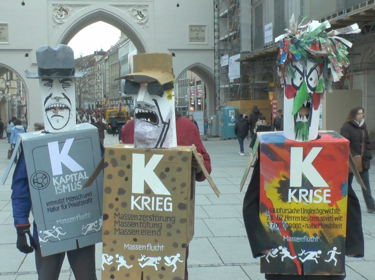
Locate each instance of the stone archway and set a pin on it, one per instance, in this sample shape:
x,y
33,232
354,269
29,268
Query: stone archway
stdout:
x,y
82,20
206,74
13,95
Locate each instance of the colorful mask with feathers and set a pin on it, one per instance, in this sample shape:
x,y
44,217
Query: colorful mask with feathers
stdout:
x,y
309,60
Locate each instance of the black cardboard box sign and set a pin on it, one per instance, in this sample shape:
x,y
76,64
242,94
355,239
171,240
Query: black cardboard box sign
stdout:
x,y
148,218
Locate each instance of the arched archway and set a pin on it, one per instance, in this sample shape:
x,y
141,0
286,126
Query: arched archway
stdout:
x,y
206,75
13,95
112,59
102,15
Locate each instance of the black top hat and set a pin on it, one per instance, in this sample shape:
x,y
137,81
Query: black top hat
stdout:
x,y
55,62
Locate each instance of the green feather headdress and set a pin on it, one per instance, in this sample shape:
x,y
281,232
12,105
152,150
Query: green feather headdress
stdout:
x,y
312,41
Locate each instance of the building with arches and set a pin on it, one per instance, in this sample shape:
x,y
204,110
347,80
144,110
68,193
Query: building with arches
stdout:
x,y
183,28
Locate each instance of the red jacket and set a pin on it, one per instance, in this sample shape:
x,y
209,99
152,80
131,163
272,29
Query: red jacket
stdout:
x,y
187,135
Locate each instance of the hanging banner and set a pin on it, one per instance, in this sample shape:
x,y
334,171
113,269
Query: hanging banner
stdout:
x,y
268,33
234,71
303,203
224,60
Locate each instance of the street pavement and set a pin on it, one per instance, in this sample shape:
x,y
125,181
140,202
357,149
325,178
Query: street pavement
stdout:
x,y
219,250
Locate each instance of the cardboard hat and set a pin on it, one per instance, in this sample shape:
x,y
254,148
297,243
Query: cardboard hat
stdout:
x,y
55,62
149,67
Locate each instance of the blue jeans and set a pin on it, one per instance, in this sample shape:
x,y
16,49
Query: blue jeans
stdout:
x,y
367,192
241,140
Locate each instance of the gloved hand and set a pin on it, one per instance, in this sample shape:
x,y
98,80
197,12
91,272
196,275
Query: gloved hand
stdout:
x,y
24,245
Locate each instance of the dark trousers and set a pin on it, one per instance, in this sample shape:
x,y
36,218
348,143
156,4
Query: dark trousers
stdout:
x,y
303,277
82,263
366,193
186,268
241,140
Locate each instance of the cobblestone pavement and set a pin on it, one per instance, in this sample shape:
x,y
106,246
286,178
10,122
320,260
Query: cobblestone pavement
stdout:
x,y
219,250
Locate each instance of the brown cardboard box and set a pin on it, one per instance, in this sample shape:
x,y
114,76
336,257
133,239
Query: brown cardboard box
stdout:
x,y
148,218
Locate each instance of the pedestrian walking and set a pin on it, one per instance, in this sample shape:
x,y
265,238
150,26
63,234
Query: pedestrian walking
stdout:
x,y
9,129
101,128
355,130
1,129
16,131
253,118
261,125
191,117
241,130
278,121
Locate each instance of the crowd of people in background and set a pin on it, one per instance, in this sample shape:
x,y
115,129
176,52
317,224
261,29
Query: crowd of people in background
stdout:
x,y
248,125
13,129
94,117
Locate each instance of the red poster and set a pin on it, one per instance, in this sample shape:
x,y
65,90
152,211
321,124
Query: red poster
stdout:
x,y
303,203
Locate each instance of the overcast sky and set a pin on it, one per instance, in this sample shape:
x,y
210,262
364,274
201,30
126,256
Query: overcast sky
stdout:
x,y
97,36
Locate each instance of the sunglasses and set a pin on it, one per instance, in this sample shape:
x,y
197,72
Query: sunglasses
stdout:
x,y
153,88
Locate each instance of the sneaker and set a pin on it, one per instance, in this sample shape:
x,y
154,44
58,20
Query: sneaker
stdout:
x,y
241,154
371,210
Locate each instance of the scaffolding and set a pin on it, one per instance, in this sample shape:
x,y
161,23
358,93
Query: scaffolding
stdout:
x,y
229,46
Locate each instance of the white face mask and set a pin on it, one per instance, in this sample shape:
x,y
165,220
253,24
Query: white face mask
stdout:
x,y
155,121
59,105
302,94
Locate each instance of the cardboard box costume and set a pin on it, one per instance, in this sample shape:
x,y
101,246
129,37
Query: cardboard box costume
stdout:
x,y
149,193
303,203
149,198
58,162
58,165
296,207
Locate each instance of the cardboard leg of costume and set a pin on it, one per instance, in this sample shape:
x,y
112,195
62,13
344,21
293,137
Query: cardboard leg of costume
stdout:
x,y
52,169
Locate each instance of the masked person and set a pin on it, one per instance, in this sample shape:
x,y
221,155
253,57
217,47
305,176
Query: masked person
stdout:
x,y
300,246
155,123
56,75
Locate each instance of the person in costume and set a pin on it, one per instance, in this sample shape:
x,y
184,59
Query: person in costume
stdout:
x,y
155,123
154,118
309,59
56,75
355,131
